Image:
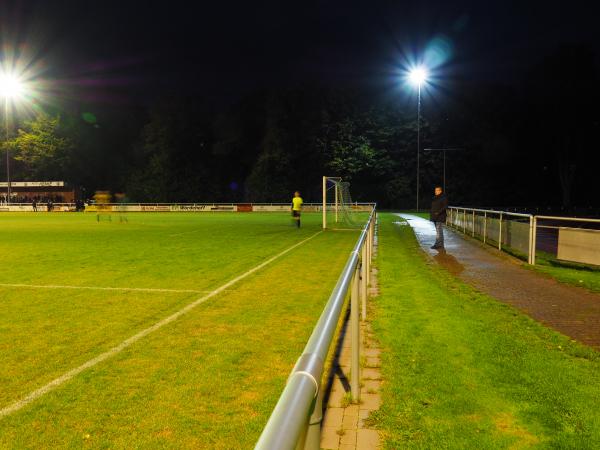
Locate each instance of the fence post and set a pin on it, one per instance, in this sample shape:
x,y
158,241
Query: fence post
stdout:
x,y
464,221
363,281
500,233
530,239
367,260
484,225
312,439
473,230
355,339
324,202
533,240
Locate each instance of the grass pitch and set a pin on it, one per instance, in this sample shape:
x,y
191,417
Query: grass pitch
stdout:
x,y
462,370
72,288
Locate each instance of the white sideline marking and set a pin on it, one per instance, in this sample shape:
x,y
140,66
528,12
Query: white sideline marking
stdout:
x,y
99,288
136,337
185,232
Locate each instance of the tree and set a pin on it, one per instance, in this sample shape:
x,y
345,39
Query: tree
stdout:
x,y
173,160
42,149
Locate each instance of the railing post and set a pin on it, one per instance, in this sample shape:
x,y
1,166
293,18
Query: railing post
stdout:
x,y
324,202
484,225
533,240
363,282
369,244
530,239
367,247
464,221
473,230
500,234
355,339
312,439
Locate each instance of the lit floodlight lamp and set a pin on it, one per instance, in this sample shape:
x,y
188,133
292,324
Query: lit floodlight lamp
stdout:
x,y
10,86
417,76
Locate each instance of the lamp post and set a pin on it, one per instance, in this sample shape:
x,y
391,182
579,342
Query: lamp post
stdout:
x,y
10,88
443,150
417,77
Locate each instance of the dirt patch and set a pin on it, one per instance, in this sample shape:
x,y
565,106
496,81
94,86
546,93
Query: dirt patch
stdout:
x,y
505,423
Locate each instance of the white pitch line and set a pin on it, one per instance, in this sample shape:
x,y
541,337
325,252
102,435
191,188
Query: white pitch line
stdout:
x,y
100,288
185,232
136,337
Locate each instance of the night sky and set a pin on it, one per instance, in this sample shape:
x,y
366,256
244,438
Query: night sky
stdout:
x,y
119,51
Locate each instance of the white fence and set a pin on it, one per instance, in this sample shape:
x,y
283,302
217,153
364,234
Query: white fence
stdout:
x,y
497,228
178,207
569,239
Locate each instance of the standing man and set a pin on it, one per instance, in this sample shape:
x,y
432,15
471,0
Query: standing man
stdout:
x,y
297,207
439,204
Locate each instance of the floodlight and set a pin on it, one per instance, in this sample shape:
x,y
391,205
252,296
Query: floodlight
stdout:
x,y
10,86
417,76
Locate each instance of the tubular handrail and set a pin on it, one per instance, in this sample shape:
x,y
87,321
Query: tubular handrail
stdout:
x,y
289,419
469,225
493,211
569,219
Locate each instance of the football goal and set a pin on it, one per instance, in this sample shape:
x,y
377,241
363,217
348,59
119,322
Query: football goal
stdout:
x,y
338,207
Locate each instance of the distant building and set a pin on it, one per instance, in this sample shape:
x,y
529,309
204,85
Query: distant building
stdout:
x,y
27,191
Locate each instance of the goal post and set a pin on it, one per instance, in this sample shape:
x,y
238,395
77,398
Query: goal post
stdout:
x,y
336,201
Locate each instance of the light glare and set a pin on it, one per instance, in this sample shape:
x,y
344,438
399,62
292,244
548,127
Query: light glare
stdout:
x,y
10,86
417,76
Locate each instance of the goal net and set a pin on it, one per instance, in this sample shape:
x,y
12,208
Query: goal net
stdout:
x,y
338,208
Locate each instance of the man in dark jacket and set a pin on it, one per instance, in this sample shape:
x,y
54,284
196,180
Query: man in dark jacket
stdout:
x,y
439,204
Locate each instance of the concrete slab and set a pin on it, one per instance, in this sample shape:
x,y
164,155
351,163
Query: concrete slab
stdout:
x,y
367,440
333,418
330,439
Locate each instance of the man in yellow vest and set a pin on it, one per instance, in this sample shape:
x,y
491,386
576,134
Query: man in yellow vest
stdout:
x,y
297,207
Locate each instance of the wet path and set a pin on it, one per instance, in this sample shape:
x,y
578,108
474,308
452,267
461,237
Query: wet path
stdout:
x,y
570,310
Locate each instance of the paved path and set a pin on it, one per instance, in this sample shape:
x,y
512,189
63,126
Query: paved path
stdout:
x,y
345,426
570,310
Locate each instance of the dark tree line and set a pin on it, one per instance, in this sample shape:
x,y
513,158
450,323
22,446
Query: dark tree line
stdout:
x,y
532,143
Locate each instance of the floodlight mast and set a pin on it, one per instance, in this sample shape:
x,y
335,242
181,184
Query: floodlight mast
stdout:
x,y
417,76
443,150
10,88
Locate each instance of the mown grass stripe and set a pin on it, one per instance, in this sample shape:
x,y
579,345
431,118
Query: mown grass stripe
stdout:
x,y
101,288
133,339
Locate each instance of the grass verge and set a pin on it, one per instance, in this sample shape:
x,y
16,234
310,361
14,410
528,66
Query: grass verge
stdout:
x,y
463,370
575,274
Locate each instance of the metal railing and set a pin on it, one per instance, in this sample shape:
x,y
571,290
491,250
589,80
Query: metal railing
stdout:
x,y
525,232
457,217
588,245
295,423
